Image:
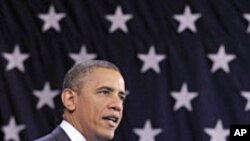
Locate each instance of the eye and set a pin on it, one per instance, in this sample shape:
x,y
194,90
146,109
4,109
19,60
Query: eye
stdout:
x,y
104,92
122,97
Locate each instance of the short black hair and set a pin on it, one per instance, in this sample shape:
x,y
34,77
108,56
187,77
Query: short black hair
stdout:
x,y
79,71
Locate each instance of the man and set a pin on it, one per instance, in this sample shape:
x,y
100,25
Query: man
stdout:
x,y
93,94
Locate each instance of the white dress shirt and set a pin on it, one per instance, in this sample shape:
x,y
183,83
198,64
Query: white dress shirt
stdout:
x,y
72,132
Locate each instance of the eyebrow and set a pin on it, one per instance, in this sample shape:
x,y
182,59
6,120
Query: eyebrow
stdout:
x,y
111,89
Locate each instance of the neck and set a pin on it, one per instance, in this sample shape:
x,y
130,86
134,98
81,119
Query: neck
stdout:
x,y
71,119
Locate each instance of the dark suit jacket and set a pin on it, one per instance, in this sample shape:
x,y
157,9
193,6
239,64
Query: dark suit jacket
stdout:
x,y
56,135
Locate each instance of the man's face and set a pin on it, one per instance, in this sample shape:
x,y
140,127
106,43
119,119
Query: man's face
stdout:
x,y
99,104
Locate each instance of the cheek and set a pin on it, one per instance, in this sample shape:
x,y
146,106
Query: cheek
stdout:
x,y
94,112
96,118
98,110
85,110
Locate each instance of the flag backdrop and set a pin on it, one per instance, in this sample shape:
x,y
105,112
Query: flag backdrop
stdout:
x,y
186,64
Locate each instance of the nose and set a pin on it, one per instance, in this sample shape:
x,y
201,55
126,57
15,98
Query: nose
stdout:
x,y
116,104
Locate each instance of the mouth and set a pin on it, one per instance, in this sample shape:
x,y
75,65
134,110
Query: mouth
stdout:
x,y
112,120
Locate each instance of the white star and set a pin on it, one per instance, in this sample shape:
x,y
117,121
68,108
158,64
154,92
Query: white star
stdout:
x,y
51,19
221,60
119,20
183,98
151,60
147,133
187,20
83,55
12,130
218,133
15,59
46,96
247,96
247,17
127,92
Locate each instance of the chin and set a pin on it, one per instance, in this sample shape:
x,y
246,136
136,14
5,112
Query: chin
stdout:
x,y
107,136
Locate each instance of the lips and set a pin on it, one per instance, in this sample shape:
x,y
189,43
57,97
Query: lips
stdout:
x,y
112,120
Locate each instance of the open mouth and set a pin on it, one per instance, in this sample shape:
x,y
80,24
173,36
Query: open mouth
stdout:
x,y
112,120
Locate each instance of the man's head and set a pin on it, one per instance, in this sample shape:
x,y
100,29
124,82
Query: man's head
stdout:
x,y
93,95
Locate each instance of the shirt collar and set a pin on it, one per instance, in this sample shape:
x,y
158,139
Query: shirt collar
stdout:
x,y
72,132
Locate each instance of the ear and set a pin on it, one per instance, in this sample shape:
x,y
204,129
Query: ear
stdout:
x,y
68,97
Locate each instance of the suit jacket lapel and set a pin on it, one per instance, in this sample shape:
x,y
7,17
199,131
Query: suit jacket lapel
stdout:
x,y
59,134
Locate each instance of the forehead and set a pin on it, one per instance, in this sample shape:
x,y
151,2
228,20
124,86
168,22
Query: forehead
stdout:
x,y
104,75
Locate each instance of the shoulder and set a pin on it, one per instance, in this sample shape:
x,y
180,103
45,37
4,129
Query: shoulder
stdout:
x,y
48,137
56,135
